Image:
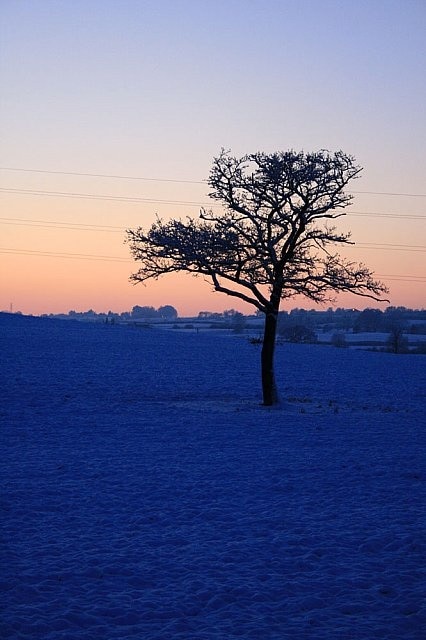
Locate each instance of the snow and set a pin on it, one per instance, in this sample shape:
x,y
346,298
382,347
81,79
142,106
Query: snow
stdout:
x,y
368,338
147,494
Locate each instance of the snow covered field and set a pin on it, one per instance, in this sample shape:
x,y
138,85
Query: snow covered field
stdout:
x,y
147,495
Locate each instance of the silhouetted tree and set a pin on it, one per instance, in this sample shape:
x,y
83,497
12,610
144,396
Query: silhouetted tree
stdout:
x,y
369,320
394,317
143,312
271,241
167,312
238,322
397,342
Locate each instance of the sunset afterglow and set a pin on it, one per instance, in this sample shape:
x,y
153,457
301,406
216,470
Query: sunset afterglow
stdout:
x,y
114,112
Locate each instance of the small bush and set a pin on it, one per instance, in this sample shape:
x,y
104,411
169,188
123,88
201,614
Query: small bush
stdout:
x,y
397,342
420,349
299,334
338,339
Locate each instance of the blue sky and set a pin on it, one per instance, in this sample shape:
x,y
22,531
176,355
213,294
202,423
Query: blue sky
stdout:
x,y
157,88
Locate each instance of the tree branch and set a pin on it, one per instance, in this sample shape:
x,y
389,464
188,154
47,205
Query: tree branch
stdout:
x,y
269,235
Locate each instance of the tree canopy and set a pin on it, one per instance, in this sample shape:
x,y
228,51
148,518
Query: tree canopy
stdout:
x,y
273,236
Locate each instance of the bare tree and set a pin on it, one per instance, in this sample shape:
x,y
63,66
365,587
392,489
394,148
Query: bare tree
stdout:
x,y
272,239
397,342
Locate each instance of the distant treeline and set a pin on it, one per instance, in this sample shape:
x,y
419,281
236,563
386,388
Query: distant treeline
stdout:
x,y
368,320
167,312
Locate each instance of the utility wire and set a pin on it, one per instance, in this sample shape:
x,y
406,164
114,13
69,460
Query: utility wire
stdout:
x,y
91,196
388,247
104,175
192,203
373,214
89,256
25,222
389,193
119,177
413,278
56,224
54,254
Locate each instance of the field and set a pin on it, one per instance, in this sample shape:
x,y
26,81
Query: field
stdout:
x,y
146,494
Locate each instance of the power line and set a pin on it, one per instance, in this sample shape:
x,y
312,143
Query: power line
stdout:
x,y
104,175
26,222
396,275
101,258
402,278
54,254
391,244
192,203
373,214
120,177
388,247
388,193
91,196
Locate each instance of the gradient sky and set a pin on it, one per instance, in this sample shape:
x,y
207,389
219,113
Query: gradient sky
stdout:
x,y
154,89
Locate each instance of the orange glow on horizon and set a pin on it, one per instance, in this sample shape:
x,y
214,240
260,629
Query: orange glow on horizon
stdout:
x,y
104,129
38,285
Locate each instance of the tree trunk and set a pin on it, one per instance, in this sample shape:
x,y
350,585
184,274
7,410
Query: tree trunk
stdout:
x,y
270,395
